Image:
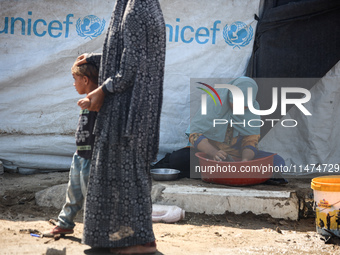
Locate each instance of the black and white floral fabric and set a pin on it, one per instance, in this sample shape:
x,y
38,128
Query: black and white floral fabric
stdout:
x,y
118,204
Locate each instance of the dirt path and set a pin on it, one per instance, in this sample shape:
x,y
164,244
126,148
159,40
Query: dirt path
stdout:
x,y
197,234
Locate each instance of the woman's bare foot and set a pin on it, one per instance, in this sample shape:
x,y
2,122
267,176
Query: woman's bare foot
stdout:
x,y
148,248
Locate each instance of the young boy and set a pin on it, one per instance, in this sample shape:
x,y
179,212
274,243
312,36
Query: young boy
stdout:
x,y
85,81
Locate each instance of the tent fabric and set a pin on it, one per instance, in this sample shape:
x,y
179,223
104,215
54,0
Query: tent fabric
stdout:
x,y
296,39
40,42
312,147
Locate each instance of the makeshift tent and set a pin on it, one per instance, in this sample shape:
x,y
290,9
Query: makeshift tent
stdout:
x,y
40,42
294,39
312,147
299,40
215,39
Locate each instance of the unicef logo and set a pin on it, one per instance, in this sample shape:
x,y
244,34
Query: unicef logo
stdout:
x,y
238,34
90,26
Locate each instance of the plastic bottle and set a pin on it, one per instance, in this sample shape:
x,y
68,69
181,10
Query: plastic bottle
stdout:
x,y
167,213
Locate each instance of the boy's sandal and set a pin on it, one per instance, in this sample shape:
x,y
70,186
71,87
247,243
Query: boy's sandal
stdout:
x,y
60,231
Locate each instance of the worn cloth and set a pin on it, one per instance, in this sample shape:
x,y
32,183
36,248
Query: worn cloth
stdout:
x,y
118,204
295,39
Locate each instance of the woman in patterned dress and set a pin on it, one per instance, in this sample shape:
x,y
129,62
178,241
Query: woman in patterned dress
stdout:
x,y
118,204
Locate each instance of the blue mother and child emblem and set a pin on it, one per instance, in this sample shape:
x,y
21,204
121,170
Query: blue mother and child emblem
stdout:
x,y
90,26
238,34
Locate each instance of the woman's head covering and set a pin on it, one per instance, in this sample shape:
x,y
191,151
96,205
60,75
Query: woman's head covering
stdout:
x,y
204,124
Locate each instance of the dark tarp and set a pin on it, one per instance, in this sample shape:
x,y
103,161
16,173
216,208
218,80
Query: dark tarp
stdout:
x,y
294,39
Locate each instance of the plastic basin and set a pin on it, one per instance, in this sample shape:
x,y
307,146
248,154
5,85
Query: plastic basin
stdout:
x,y
235,173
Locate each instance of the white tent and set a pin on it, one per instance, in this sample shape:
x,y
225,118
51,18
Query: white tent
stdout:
x,y
312,146
40,41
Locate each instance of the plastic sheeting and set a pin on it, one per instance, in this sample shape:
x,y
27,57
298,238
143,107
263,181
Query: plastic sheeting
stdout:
x,y
40,41
312,147
295,39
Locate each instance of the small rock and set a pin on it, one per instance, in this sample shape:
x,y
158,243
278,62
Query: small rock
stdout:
x,y
218,234
51,251
278,230
57,237
157,192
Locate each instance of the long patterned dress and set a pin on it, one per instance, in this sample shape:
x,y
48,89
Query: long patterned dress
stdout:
x,y
118,203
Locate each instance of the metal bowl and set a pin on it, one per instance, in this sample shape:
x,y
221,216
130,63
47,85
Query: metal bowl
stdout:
x,y
164,174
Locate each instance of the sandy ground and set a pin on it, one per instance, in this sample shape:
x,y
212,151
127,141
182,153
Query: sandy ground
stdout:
x,y
197,234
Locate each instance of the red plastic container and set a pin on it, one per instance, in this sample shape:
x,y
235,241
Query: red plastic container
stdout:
x,y
235,173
